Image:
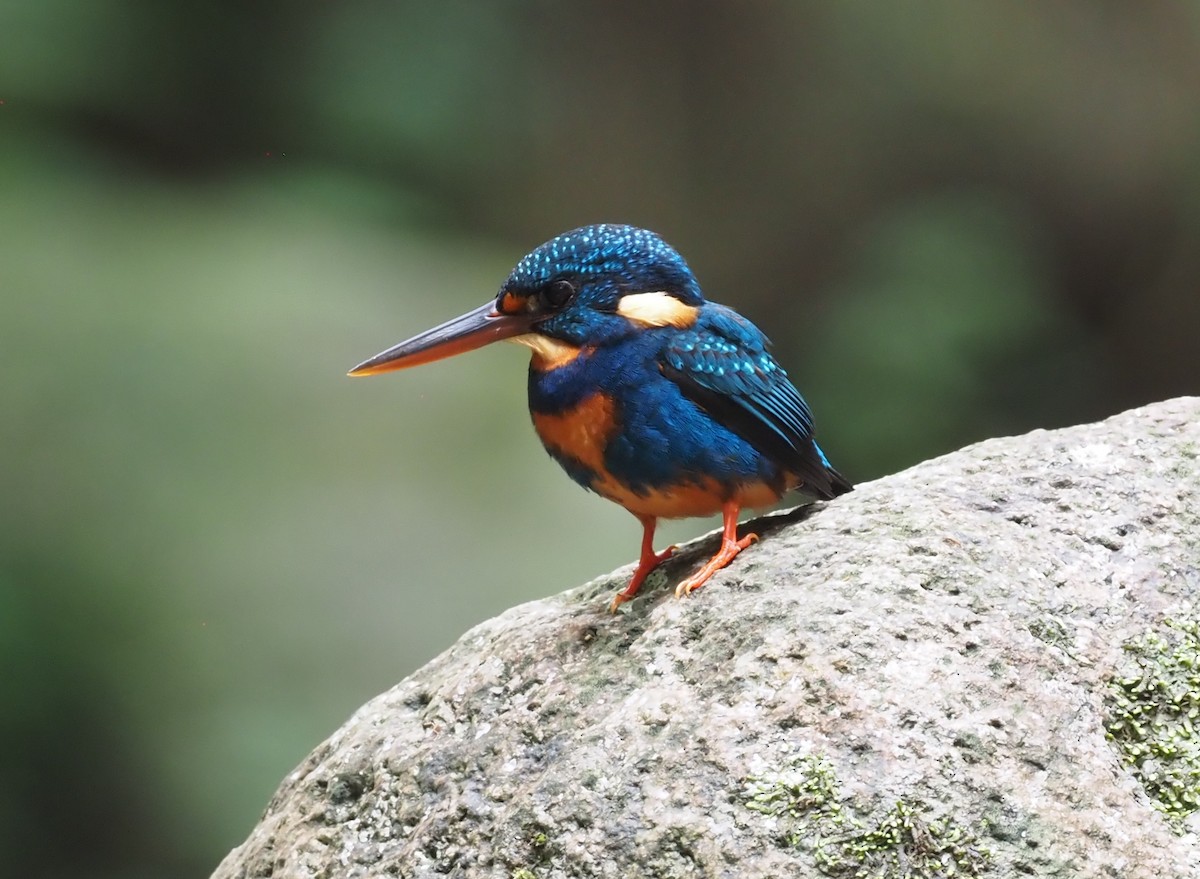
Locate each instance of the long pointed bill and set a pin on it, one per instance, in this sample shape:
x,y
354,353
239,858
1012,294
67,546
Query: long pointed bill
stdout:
x,y
465,333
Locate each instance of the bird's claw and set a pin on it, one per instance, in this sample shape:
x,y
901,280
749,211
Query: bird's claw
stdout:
x,y
639,576
727,553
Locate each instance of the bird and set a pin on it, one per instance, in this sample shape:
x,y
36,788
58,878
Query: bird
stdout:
x,y
645,392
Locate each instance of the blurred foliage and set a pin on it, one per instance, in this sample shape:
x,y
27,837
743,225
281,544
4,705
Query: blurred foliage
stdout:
x,y
955,220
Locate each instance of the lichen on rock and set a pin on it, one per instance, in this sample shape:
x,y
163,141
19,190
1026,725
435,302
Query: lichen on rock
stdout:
x,y
903,843
1154,716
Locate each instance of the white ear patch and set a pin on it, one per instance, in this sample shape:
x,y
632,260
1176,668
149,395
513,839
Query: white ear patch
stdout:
x,y
657,309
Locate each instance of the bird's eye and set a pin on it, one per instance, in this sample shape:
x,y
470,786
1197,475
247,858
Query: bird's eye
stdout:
x,y
556,294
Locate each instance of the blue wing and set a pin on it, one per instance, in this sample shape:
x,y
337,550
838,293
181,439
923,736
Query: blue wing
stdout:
x,y
722,364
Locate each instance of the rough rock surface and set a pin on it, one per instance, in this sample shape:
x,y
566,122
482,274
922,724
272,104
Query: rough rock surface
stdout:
x,y
938,674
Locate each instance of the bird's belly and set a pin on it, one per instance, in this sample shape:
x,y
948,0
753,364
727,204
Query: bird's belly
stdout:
x,y
686,500
578,439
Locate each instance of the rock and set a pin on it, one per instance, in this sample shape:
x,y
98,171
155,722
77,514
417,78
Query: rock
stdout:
x,y
987,665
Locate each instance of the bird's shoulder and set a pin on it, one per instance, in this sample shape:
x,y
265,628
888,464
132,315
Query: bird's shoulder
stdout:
x,y
723,322
724,354
722,342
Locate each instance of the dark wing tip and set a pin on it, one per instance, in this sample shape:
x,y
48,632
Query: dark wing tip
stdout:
x,y
815,476
838,484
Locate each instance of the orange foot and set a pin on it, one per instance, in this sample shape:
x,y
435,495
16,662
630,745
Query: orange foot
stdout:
x,y
729,550
647,563
730,547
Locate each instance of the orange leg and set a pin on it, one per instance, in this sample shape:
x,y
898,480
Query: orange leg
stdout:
x,y
730,547
647,563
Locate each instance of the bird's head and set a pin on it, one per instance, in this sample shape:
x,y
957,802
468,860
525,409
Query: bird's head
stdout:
x,y
586,287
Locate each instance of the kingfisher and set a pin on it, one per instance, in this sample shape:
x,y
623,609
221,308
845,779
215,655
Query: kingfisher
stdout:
x,y
641,389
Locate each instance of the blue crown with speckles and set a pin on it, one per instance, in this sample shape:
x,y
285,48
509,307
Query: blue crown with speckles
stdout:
x,y
631,259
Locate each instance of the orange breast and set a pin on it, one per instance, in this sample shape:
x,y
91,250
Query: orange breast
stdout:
x,y
581,433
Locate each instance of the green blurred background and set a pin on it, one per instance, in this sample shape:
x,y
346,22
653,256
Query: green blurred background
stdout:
x,y
956,220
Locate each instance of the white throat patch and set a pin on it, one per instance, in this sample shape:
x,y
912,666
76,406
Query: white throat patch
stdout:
x,y
548,353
